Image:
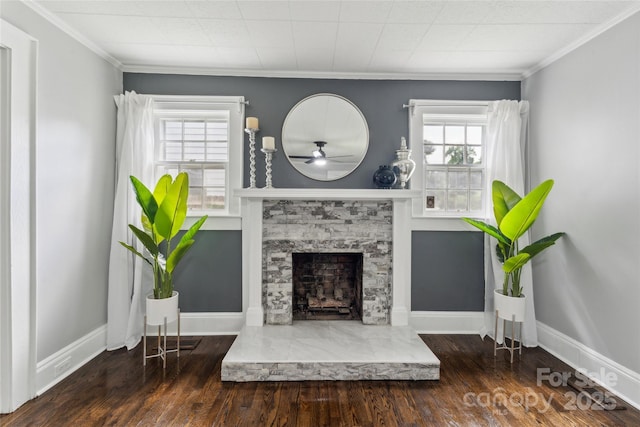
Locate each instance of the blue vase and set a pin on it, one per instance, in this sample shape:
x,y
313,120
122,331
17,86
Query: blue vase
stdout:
x,y
384,177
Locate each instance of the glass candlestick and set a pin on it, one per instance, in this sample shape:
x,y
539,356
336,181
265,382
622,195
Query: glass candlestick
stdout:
x,y
268,155
252,156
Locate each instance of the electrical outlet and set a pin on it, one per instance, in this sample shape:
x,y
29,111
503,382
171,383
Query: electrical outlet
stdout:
x,y
431,202
63,366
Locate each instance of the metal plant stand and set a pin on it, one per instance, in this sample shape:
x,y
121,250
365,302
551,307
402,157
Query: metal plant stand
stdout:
x,y
162,345
504,346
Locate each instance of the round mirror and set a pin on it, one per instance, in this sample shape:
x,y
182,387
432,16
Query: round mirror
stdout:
x,y
325,137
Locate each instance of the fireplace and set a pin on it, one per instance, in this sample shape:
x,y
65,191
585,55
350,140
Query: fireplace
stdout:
x,y
329,227
327,286
279,225
280,221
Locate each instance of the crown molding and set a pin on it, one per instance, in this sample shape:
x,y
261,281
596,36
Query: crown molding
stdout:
x,y
204,71
63,26
581,41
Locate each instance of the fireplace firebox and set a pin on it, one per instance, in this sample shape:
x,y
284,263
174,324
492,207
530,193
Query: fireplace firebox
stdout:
x,y
327,286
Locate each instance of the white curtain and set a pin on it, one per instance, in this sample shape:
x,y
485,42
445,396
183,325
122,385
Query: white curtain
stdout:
x,y
507,130
129,278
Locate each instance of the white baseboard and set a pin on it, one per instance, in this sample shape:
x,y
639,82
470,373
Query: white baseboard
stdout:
x,y
625,382
424,322
63,363
447,322
192,324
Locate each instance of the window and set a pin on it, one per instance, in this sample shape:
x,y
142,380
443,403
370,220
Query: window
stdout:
x,y
451,137
203,137
454,169
200,147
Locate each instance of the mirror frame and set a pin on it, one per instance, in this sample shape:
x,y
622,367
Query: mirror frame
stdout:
x,y
349,103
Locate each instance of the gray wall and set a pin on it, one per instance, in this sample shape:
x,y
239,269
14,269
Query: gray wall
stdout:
x,y
74,181
447,271
436,285
272,98
585,133
209,278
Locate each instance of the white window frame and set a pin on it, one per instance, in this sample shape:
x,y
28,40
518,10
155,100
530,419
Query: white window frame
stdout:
x,y
445,110
176,105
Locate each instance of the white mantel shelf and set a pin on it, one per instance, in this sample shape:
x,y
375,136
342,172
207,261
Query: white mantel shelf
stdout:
x,y
325,194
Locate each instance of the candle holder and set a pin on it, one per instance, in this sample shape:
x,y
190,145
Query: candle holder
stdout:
x,y
252,156
268,155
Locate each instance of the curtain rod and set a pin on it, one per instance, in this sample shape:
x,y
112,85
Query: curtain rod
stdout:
x,y
444,104
177,101
200,99
440,103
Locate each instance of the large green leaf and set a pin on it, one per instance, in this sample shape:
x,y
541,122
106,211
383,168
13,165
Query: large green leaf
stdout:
x,y
518,220
146,240
146,224
177,254
515,262
132,249
193,230
504,199
542,244
163,185
145,199
489,229
173,209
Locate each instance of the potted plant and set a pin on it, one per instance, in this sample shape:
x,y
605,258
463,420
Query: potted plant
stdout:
x,y
163,213
514,215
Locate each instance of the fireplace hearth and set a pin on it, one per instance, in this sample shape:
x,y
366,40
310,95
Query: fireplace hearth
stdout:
x,y
327,286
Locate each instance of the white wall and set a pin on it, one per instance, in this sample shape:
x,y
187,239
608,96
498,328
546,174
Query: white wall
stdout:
x,y
585,133
75,152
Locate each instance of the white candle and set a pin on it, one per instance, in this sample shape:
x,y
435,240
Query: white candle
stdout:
x,y
269,143
252,123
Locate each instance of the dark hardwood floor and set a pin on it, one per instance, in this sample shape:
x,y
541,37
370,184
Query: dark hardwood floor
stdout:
x,y
475,388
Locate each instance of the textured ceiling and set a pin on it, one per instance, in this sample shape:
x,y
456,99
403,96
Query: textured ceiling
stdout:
x,y
401,38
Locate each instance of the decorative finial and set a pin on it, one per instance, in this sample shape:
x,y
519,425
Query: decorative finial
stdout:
x,y
403,143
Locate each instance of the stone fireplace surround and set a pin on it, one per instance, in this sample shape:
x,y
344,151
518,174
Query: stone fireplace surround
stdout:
x,y
383,348
357,226
343,220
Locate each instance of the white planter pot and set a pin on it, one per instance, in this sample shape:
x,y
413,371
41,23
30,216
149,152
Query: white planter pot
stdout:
x,y
159,309
508,306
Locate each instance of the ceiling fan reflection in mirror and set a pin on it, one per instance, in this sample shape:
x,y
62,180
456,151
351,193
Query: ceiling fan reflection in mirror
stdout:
x,y
318,156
